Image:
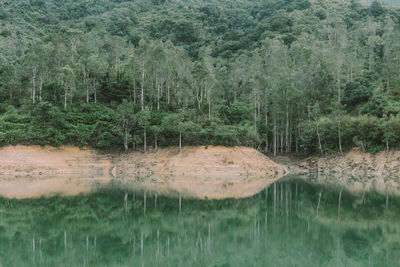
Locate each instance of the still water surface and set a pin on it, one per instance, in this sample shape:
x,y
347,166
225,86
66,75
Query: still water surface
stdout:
x,y
291,223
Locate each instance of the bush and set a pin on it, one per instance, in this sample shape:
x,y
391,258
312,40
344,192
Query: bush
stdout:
x,y
107,140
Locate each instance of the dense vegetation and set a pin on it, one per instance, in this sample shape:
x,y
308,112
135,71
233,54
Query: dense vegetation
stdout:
x,y
278,75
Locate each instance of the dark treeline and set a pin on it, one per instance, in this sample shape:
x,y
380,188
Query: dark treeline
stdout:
x,y
280,76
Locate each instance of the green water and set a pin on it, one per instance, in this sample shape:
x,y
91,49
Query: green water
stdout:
x,y
281,226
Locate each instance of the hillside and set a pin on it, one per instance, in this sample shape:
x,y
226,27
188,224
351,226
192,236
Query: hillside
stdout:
x,y
280,76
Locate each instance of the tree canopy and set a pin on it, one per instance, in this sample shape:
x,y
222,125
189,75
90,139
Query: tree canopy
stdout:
x,y
281,76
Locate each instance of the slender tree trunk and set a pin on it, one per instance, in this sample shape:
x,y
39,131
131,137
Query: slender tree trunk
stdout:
x,y
319,139
180,140
85,85
155,141
363,144
199,98
386,139
340,136
65,98
266,127
40,88
126,139
168,93
290,136
287,128
387,84
70,95
33,89
387,144
158,95
143,89
209,103
145,140
134,90
255,108
95,91
275,149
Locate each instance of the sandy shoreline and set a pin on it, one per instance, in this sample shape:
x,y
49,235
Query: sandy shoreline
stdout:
x,y
198,172
195,172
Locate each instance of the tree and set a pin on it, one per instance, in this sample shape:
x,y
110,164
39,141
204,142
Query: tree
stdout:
x,y
126,119
376,9
356,92
173,123
143,118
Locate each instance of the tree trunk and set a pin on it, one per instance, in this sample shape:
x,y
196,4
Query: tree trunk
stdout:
x,y
340,136
65,98
319,139
180,140
95,91
126,139
209,103
199,98
266,127
287,129
275,138
142,89
134,90
386,139
33,89
290,136
155,141
255,108
85,85
144,140
40,88
168,93
387,144
363,145
158,95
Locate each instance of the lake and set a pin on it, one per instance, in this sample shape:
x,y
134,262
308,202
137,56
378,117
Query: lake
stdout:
x,y
290,223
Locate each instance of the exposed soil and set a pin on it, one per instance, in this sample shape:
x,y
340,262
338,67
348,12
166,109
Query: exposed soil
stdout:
x,y
199,172
356,171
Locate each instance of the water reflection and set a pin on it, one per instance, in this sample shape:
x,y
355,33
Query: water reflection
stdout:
x,y
291,223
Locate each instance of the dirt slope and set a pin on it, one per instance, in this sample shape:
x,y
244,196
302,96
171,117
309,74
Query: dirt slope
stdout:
x,y
213,172
357,171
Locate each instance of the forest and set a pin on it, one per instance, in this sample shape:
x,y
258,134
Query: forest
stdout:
x,y
282,76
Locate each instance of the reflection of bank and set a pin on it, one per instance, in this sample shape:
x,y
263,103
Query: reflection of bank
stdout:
x,y
114,227
357,171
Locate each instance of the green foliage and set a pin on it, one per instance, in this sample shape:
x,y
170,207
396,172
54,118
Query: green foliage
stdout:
x,y
321,14
116,73
376,9
5,32
107,140
356,92
235,113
